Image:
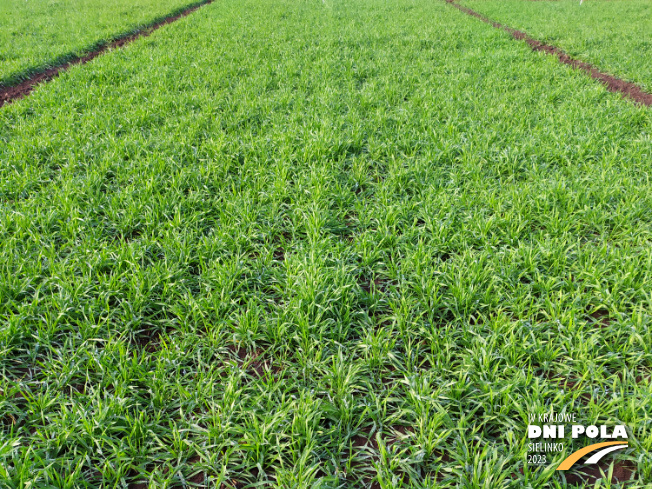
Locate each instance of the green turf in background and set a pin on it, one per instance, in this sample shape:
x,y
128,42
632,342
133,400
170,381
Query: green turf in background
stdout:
x,y
35,34
240,247
614,35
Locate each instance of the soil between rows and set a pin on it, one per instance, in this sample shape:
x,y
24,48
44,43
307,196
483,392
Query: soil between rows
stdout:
x,y
613,84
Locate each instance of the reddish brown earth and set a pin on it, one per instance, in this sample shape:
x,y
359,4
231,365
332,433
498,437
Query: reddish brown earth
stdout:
x,y
613,84
601,318
589,475
24,88
366,441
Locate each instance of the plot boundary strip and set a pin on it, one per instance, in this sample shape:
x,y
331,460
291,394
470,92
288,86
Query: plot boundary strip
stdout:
x,y
14,92
612,83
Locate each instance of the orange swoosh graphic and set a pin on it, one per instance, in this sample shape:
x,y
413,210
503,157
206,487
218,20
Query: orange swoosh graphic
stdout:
x,y
575,456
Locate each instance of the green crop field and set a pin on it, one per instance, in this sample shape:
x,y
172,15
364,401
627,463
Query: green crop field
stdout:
x,y
38,33
335,244
615,35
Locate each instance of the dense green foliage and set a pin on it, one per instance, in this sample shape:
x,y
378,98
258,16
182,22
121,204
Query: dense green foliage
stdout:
x,y
35,34
616,36
239,248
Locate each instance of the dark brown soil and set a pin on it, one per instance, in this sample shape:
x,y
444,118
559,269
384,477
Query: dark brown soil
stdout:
x,y
378,284
601,319
255,363
365,440
199,478
24,88
643,379
571,384
613,84
589,474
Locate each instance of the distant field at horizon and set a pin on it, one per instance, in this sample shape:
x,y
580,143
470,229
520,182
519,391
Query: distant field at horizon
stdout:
x,y
615,36
35,34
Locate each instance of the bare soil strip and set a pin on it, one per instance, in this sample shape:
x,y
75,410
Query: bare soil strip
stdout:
x,y
613,84
10,93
